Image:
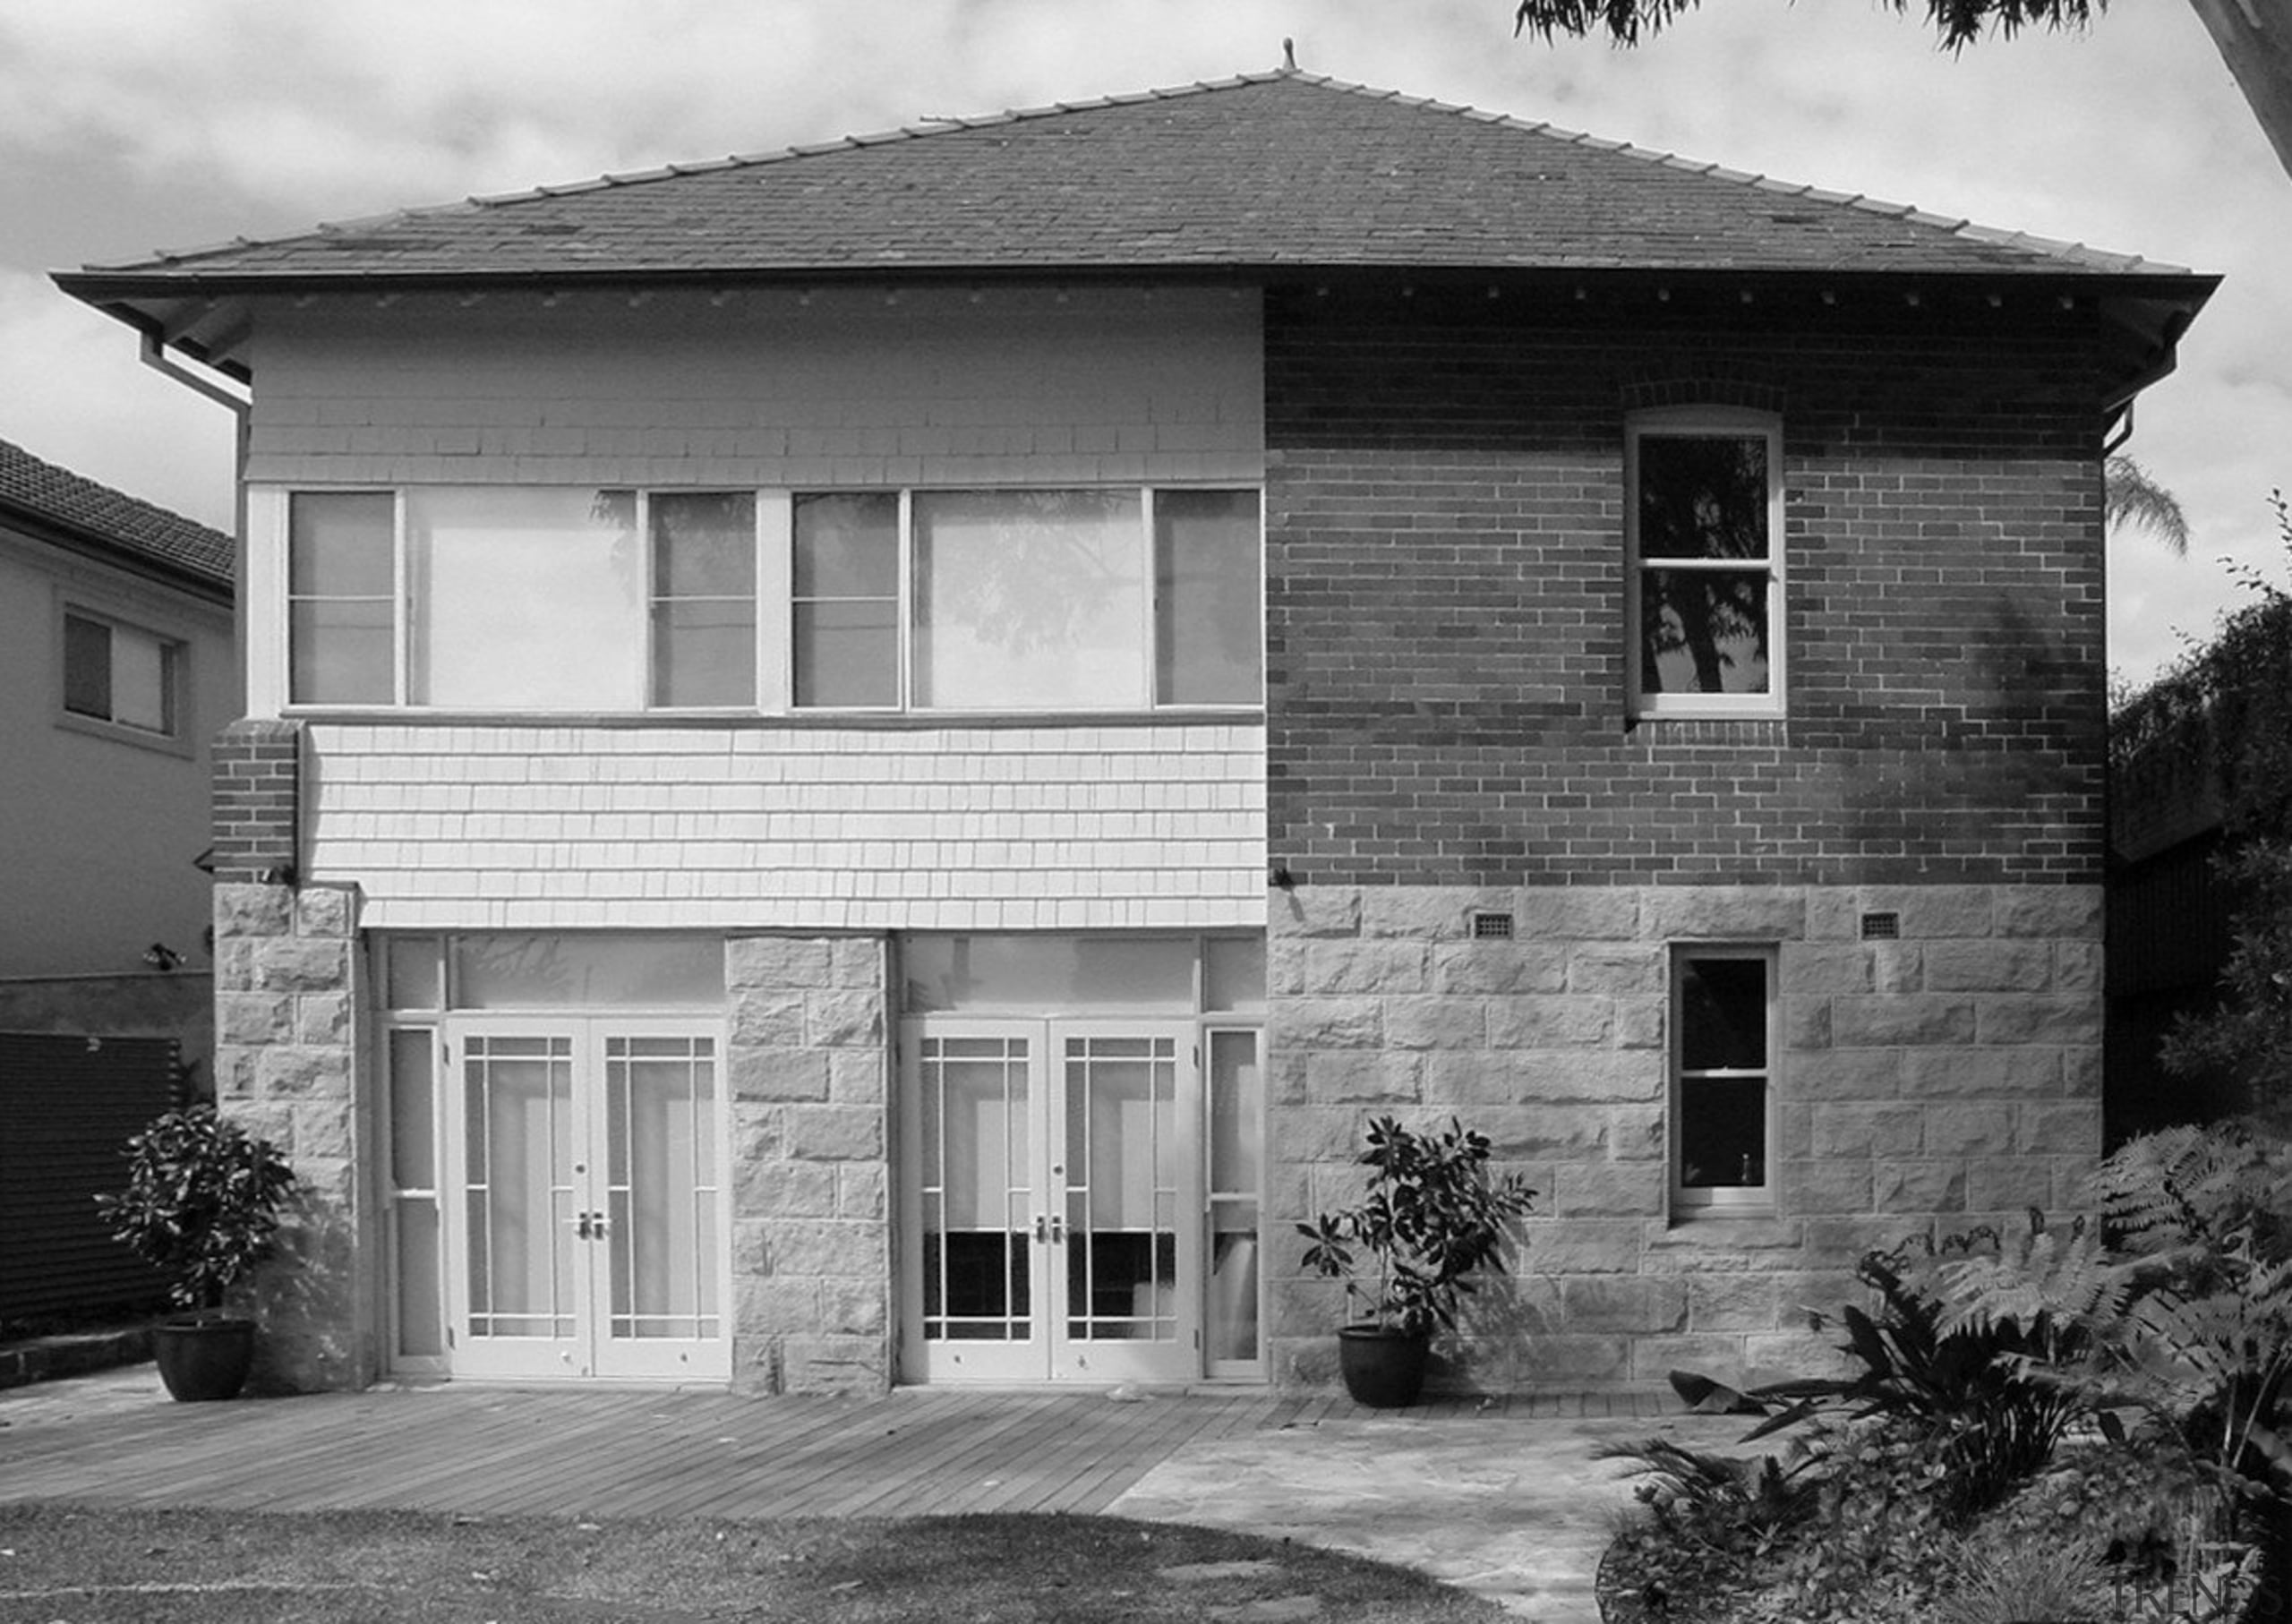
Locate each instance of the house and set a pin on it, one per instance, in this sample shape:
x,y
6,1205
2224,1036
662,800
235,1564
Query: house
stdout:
x,y
116,662
862,765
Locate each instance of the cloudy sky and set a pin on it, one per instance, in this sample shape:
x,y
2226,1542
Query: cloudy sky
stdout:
x,y
127,125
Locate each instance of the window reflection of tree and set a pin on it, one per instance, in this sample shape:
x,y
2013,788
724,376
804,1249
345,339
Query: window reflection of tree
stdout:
x,y
1031,568
1703,498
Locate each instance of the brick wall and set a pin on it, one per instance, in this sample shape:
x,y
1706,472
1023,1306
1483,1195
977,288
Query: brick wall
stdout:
x,y
258,798
1446,678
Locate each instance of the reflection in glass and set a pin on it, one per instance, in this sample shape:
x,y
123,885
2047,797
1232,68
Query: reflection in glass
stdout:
x,y
704,598
1703,536
1031,972
977,1154
1723,1133
1723,1015
1210,631
610,969
845,602
1029,600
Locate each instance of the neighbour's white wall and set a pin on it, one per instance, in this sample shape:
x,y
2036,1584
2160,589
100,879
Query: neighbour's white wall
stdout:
x,y
758,822
1040,826
97,833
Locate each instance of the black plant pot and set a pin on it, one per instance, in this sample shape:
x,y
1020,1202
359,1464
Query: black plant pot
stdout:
x,y
204,1358
1383,1369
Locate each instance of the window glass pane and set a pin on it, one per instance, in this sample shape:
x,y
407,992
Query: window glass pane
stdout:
x,y
1031,972
627,969
1236,1114
1702,631
704,652
847,653
1207,626
1029,600
87,667
412,965
343,651
571,566
141,690
1236,978
847,545
1723,1015
1723,1133
704,544
1703,496
421,1314
412,1112
340,544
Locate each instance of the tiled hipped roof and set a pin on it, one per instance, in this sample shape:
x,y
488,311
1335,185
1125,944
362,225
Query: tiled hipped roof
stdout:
x,y
1262,172
40,491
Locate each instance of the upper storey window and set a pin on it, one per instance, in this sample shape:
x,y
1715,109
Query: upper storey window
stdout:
x,y
1705,528
1026,600
122,676
512,598
522,598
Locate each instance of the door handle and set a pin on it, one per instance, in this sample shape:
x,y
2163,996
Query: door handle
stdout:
x,y
590,1227
1057,1231
581,1227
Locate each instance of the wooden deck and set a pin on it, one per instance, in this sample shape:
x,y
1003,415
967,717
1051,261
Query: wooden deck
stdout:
x,y
479,1451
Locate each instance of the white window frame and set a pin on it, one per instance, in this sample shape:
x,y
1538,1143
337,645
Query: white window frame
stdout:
x,y
1736,1201
269,656
1689,423
1150,642
174,675
279,659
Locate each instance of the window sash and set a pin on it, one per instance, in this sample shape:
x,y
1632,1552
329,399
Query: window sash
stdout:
x,y
1747,657
1723,1112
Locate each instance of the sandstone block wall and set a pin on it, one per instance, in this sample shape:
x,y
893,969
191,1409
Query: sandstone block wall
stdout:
x,y
808,1063
1924,1084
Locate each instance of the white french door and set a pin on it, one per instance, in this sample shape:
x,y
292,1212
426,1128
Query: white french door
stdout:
x,y
589,1235
1054,1200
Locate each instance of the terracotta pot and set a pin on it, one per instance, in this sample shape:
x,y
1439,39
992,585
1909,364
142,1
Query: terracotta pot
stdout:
x,y
204,1358
1383,1369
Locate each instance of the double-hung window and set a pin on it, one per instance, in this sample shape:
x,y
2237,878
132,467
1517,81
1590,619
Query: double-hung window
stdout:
x,y
1723,1046
1026,600
1704,517
522,598
121,675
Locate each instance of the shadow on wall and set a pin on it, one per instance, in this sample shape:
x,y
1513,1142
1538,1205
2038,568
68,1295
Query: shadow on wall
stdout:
x,y
179,1004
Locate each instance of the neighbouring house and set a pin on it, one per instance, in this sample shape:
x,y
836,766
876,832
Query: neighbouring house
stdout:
x,y
862,765
117,662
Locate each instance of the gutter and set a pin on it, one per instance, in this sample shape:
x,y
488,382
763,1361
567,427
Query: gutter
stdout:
x,y
2118,404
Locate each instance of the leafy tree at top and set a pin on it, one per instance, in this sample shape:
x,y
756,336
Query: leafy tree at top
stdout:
x,y
2255,37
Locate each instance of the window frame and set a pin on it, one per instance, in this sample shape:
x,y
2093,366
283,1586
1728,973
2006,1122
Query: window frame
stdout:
x,y
1692,1203
272,656
403,619
174,738
1692,423
907,608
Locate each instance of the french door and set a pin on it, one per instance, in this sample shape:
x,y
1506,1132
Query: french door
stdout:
x,y
589,1238
1053,1200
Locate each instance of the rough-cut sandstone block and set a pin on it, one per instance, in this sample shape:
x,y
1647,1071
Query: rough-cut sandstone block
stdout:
x,y
1838,1074
1969,1128
1640,968
1900,1023
759,1073
834,1134
1588,913
1988,967
1724,913
1315,911
1591,1189
1326,1023
284,1072
2070,1019
329,911
1499,966
822,1249
1336,968
1427,913
1431,1022
1640,1304
254,911
2050,910
1920,1186
767,1018
1364,1076
295,964
1828,1186
323,1019
843,1019
1559,1020
1810,967
1868,1130
766,964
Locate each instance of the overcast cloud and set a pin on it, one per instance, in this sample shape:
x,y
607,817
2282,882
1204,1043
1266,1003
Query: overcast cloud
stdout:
x,y
127,125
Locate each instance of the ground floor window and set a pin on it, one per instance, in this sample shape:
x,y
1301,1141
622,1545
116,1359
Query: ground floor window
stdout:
x,y
1722,1045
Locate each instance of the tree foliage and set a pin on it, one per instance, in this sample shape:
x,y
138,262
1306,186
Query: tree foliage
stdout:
x,y
2257,50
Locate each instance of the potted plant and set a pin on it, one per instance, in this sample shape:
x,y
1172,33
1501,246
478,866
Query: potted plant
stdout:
x,y
1433,1217
201,1206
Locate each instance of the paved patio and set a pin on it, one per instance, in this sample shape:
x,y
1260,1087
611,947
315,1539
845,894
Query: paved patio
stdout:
x,y
1502,1496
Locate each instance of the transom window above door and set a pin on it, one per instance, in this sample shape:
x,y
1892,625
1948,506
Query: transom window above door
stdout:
x,y
522,598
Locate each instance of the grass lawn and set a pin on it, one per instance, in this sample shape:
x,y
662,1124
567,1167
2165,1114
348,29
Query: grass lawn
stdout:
x,y
67,1565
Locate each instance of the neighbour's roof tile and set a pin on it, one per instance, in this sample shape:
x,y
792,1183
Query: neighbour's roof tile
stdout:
x,y
37,489
1282,168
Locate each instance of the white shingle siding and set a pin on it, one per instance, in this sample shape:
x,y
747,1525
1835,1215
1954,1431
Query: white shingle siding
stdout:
x,y
1036,826
770,388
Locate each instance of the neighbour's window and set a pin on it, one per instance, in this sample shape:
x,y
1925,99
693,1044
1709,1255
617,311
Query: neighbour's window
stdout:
x,y
1704,529
1723,1076
1026,599
121,674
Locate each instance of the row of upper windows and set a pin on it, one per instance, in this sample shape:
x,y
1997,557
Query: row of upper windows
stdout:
x,y
520,598
516,598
